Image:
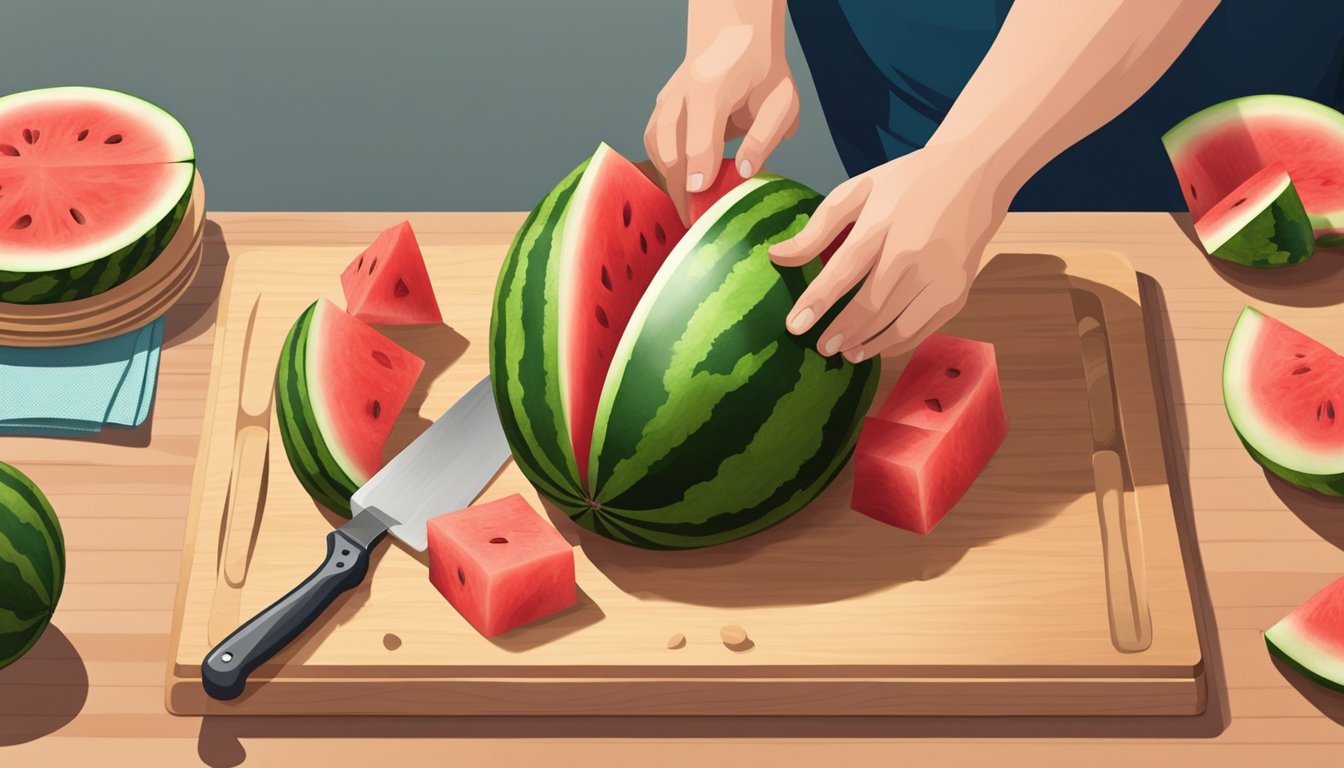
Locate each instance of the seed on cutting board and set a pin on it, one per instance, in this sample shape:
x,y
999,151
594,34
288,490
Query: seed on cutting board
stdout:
x,y
733,635
676,641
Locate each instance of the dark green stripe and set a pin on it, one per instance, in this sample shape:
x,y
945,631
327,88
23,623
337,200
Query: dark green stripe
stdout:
x,y
18,595
15,480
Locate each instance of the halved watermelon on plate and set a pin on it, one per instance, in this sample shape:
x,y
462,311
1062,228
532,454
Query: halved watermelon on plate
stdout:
x,y
93,185
339,388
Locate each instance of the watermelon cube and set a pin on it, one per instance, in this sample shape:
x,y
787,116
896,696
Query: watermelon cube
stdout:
x,y
388,283
501,565
933,435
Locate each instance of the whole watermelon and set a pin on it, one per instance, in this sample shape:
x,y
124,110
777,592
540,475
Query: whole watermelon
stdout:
x,y
32,563
643,373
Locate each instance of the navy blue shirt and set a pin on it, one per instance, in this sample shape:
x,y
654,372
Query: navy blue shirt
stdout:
x,y
887,72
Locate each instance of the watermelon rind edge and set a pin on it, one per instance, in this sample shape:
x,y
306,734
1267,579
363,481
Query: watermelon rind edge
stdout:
x,y
1289,642
1276,234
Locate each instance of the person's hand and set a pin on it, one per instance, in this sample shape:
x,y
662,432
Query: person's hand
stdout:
x,y
734,82
920,225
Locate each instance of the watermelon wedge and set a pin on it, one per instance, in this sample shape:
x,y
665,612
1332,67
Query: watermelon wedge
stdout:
x,y
1260,224
727,180
388,283
1311,638
933,436
93,185
1284,393
338,390
1216,150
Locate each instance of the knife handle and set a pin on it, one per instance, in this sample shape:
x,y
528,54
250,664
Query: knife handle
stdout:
x,y
225,669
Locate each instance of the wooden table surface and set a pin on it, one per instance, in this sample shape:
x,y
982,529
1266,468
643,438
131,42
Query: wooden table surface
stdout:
x,y
93,686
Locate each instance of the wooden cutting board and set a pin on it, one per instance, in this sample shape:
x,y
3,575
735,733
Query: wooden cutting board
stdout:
x,y
1016,604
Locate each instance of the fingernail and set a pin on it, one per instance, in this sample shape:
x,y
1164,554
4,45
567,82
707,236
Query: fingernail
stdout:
x,y
695,182
744,169
833,344
856,356
801,321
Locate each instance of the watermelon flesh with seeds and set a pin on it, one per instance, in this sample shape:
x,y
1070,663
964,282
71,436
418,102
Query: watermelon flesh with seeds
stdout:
x,y
932,437
1284,393
1217,149
388,284
93,185
642,370
1311,638
340,386
501,565
1260,224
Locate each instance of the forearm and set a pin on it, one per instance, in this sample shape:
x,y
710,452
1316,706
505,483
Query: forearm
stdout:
x,y
708,19
1057,72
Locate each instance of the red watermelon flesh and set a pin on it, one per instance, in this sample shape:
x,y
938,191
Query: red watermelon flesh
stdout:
x,y
933,436
631,226
84,172
724,182
1311,638
359,380
1216,150
388,283
501,565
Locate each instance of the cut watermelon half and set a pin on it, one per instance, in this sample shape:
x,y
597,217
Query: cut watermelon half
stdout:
x,y
93,184
1284,393
1260,224
1216,150
1311,638
340,386
933,436
388,284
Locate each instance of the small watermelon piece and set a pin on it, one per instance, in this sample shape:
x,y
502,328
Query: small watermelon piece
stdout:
x,y
1284,393
1260,224
500,565
1217,149
339,388
933,435
388,283
1311,638
32,564
93,185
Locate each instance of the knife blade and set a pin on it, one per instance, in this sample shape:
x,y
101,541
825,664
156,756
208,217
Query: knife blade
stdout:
x,y
442,470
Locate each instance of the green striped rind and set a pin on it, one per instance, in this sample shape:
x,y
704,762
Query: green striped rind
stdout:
x,y
524,349
1303,637
32,563
1279,236
747,423
309,456
94,277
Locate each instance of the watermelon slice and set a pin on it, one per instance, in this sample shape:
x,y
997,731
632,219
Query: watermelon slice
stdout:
x,y
1261,224
725,182
339,388
627,226
1216,150
932,437
93,185
500,565
1284,393
388,284
1311,638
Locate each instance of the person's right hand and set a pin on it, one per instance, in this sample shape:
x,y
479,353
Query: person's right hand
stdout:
x,y
734,81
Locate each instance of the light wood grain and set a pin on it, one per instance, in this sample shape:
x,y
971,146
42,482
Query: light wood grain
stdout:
x,y
1283,548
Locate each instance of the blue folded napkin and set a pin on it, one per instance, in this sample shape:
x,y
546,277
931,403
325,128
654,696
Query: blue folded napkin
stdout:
x,y
72,391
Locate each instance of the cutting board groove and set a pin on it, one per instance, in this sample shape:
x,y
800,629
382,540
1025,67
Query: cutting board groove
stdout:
x,y
1001,610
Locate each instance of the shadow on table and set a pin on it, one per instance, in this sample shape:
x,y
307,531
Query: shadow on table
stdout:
x,y
1324,515
1317,282
43,691
194,313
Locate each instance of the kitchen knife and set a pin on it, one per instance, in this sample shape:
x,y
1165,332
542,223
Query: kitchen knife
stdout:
x,y
442,470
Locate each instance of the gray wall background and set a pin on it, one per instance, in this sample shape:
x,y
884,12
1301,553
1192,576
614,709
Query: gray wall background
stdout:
x,y
389,105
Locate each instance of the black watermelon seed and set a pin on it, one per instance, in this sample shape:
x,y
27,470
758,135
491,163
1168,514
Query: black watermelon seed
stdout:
x,y
952,373
382,359
625,214
499,540
113,139
602,318
400,290
643,243
9,149
1302,370
1239,202
84,134
659,234
606,278
76,215
376,408
23,222
934,404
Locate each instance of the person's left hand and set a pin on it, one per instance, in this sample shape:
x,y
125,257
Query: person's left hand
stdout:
x,y
920,224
